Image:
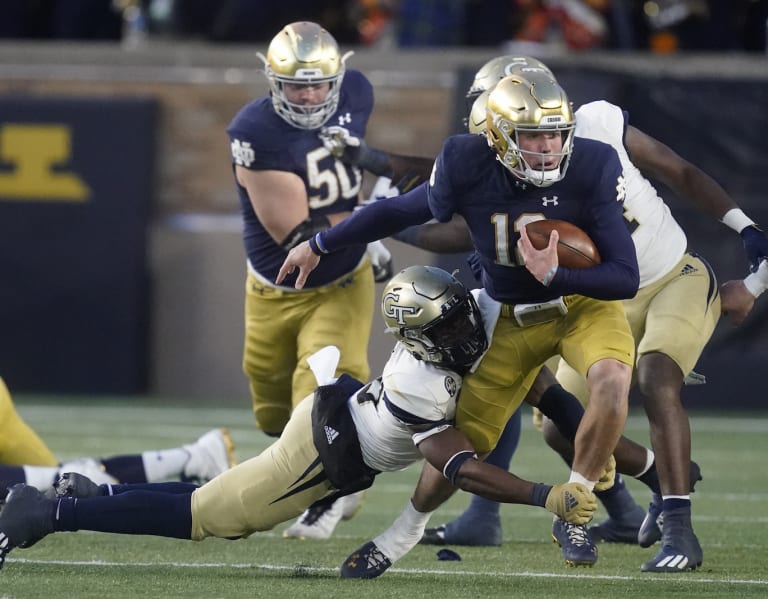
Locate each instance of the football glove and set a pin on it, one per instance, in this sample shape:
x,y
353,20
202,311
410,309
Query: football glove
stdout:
x,y
606,478
381,260
572,502
755,246
353,150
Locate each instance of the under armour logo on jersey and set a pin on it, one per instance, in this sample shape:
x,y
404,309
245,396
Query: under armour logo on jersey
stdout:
x,y
331,434
345,118
242,152
545,201
688,269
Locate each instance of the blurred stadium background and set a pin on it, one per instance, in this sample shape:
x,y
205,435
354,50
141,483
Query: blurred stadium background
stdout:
x,y
121,267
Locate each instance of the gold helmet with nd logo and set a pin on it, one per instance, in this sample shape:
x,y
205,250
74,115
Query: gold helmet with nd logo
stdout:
x,y
304,54
435,316
532,106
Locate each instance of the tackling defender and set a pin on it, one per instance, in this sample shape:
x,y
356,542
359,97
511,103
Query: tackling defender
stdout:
x,y
335,442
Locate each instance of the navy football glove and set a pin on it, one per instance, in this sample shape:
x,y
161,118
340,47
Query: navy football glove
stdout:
x,y
755,246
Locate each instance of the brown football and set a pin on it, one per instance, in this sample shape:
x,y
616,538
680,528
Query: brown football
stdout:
x,y
574,249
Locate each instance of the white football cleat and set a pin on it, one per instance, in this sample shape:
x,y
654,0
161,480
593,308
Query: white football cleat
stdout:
x,y
351,504
316,523
89,467
210,455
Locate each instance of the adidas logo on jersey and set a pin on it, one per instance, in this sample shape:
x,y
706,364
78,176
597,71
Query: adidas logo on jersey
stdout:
x,y
688,270
331,434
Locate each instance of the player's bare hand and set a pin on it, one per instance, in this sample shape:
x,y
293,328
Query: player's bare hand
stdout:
x,y
572,502
538,262
301,257
736,301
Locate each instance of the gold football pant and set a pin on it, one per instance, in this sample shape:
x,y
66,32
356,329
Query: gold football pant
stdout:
x,y
271,488
674,316
19,444
284,327
592,330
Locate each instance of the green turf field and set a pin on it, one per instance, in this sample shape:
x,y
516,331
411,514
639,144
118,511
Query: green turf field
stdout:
x,y
730,517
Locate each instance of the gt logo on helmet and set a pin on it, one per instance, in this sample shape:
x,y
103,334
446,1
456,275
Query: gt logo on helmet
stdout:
x,y
392,310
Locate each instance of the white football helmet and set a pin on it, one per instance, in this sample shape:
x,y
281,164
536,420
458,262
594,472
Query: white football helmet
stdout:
x,y
433,314
533,104
495,70
304,53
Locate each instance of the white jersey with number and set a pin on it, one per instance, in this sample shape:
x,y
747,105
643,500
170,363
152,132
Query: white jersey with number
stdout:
x,y
659,240
409,392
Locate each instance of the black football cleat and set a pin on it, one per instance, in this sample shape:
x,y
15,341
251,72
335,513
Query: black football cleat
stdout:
x,y
26,518
680,549
72,484
366,562
577,548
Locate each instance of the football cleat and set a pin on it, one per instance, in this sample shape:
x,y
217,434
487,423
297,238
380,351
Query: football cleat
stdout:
x,y
210,455
72,484
619,530
26,518
366,562
351,504
650,529
89,467
577,548
478,534
680,549
316,523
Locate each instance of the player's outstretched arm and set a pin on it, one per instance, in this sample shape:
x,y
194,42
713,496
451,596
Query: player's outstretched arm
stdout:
x,y
451,453
686,180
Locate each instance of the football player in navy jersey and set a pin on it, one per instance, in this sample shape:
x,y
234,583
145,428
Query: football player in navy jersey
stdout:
x,y
529,167
337,440
290,186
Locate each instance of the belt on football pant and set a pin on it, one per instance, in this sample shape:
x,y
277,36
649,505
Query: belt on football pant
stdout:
x,y
526,315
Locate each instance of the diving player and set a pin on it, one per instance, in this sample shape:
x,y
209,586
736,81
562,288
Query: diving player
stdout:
x,y
336,440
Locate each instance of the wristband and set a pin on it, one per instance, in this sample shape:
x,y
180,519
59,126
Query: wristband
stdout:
x,y
549,276
757,282
737,220
316,245
539,494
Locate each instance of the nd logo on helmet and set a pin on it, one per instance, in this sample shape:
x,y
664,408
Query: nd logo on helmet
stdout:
x,y
394,311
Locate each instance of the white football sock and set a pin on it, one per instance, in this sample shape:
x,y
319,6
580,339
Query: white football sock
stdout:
x,y
404,534
164,464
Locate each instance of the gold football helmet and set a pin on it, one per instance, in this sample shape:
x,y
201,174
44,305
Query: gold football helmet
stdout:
x,y
534,104
304,53
433,314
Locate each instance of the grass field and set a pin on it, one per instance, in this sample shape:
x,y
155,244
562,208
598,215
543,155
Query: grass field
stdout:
x,y
730,517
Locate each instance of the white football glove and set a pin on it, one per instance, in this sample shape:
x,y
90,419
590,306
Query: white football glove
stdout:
x,y
337,139
381,260
382,189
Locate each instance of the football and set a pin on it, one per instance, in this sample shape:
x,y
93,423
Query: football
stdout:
x,y
574,249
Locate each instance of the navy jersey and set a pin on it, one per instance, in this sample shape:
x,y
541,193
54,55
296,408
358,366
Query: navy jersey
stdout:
x,y
261,140
468,180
